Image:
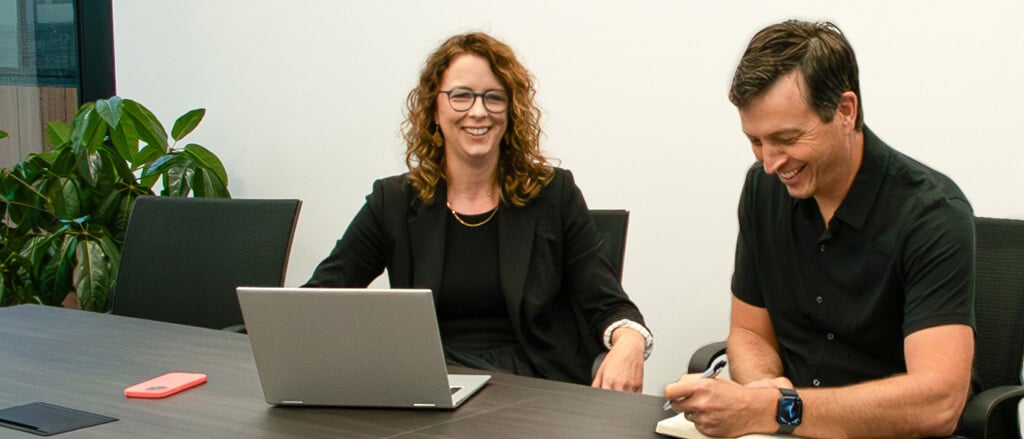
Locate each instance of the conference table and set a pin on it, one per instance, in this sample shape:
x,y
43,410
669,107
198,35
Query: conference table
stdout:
x,y
84,360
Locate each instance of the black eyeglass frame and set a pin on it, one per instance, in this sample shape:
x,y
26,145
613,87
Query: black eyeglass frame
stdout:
x,y
475,96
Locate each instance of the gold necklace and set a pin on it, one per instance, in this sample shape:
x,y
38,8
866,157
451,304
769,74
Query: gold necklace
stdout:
x,y
461,221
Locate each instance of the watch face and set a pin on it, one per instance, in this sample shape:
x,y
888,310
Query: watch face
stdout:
x,y
791,410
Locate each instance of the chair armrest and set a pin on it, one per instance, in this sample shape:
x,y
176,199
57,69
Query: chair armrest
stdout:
x,y
702,357
235,328
978,416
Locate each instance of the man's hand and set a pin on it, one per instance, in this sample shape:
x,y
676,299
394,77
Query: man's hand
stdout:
x,y
721,407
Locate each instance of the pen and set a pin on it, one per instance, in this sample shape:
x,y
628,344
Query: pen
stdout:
x,y
712,372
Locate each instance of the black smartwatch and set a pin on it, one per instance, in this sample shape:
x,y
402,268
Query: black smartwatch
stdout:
x,y
790,411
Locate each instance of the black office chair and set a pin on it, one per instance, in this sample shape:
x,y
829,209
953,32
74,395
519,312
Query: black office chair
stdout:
x,y
184,257
999,339
613,224
999,325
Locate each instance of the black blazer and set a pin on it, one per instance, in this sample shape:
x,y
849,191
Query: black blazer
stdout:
x,y
561,293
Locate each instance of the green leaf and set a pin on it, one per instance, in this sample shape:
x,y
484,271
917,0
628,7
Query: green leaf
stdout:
x,y
149,181
110,110
2,135
205,184
98,136
207,160
197,180
7,296
37,247
66,198
58,133
114,162
88,129
55,276
125,140
175,181
90,165
65,163
124,211
112,250
146,124
187,122
21,199
84,125
106,211
92,276
148,154
165,162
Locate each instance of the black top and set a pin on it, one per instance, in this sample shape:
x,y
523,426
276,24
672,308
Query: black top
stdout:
x,y
470,308
472,315
897,257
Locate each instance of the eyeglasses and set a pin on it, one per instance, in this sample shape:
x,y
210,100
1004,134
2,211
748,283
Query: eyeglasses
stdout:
x,y
462,99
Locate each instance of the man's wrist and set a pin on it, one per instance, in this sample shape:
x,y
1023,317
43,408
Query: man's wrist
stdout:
x,y
767,410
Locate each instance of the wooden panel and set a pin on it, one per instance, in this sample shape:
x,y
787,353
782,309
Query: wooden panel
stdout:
x,y
29,126
56,103
24,112
10,151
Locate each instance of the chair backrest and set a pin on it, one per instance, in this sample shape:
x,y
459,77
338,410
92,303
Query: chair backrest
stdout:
x,y
184,257
999,301
613,224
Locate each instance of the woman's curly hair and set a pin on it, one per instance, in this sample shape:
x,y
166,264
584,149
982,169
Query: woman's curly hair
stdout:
x,y
523,170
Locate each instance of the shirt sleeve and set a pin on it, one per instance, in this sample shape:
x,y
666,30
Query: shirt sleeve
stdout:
x,y
938,266
746,284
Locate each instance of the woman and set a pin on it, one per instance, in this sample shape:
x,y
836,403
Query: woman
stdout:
x,y
503,239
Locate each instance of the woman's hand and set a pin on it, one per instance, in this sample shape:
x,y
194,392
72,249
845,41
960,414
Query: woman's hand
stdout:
x,y
623,366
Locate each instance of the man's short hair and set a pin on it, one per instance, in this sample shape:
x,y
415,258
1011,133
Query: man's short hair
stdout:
x,y
819,50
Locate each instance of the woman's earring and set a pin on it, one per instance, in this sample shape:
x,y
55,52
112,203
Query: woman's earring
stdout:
x,y
436,138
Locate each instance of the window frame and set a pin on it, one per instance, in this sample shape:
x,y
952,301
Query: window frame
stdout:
x,y
95,50
95,39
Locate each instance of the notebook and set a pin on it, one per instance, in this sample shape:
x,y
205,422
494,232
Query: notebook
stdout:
x,y
351,347
678,426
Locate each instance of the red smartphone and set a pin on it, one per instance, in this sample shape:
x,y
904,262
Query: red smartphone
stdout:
x,y
165,385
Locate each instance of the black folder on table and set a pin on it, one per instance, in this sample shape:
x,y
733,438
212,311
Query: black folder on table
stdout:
x,y
48,419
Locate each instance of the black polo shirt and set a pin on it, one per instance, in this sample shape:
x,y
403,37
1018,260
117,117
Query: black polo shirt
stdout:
x,y
897,257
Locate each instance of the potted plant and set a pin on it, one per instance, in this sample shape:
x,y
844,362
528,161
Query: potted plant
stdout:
x,y
64,211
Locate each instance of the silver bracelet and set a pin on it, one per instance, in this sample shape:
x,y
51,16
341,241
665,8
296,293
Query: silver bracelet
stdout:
x,y
648,338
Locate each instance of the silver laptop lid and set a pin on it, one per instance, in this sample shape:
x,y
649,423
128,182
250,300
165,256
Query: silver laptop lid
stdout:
x,y
347,347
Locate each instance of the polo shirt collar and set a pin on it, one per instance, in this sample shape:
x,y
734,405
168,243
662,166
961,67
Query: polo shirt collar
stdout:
x,y
857,204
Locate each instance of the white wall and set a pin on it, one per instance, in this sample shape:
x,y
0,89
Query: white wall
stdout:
x,y
304,99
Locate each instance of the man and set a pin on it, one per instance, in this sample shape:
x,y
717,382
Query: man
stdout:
x,y
852,308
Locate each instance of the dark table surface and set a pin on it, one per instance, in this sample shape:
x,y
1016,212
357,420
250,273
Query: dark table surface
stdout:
x,y
84,360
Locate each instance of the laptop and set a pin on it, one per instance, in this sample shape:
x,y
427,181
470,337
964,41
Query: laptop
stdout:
x,y
351,347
